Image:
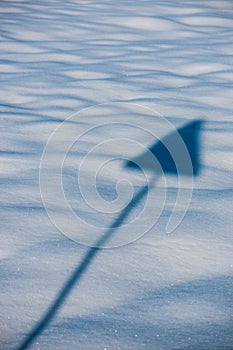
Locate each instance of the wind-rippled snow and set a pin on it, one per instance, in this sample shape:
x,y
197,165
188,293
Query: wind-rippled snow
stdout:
x,y
161,292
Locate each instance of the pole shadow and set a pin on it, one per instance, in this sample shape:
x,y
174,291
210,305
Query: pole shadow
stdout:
x,y
190,136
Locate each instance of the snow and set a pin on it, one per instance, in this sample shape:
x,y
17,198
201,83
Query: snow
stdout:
x,y
156,59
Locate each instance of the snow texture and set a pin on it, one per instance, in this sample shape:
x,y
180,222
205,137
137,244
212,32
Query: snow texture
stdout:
x,y
161,292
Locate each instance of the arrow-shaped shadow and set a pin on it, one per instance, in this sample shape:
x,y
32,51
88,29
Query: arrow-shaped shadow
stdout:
x,y
189,134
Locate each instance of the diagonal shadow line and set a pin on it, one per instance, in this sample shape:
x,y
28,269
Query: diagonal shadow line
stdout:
x,y
189,134
79,271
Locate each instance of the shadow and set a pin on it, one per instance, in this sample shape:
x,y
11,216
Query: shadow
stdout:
x,y
170,153
189,135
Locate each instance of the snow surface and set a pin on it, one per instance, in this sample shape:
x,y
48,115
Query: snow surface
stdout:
x,y
162,291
